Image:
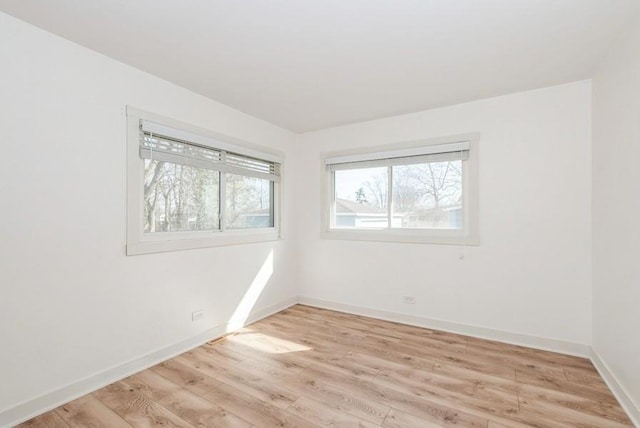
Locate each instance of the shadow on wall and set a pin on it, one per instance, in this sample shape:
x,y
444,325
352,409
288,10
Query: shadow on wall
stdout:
x,y
243,310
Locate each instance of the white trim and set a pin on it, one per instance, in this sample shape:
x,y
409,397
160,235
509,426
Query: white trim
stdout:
x,y
625,400
407,236
139,242
218,239
425,149
542,343
50,400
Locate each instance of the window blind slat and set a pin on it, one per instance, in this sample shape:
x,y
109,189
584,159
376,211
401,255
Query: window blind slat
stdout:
x,y
409,160
197,163
149,127
460,146
178,159
158,147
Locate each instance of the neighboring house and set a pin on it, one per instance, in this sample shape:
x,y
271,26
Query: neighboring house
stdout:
x,y
365,215
356,214
449,217
255,219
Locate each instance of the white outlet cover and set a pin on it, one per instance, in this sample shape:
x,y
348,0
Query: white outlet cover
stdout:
x,y
197,316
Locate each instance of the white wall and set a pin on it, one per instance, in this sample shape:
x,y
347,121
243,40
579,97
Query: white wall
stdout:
x,y
616,213
71,303
531,274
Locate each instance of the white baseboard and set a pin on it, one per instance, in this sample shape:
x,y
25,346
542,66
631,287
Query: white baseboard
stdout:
x,y
570,348
625,400
58,397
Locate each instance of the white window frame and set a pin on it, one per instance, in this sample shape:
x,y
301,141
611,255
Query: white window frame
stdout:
x,y
468,235
139,242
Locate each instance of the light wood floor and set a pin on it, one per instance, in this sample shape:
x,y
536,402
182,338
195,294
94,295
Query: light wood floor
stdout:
x,y
307,367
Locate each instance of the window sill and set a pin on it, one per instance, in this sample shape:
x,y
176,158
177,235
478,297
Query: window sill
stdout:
x,y
221,239
402,236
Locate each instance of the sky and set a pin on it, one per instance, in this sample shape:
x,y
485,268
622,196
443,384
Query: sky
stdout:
x,y
349,181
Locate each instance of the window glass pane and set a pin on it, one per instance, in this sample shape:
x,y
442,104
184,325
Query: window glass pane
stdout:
x,y
428,195
249,202
179,198
361,198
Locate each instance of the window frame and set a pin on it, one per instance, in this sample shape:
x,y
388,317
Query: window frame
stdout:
x,y
468,235
139,242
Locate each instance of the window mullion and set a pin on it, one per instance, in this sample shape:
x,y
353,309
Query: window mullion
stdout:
x,y
332,198
222,199
272,203
389,195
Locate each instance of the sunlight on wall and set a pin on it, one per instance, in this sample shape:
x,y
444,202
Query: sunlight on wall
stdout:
x,y
243,310
267,344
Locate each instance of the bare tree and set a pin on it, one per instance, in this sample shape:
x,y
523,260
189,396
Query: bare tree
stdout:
x,y
179,197
423,192
376,190
440,181
433,185
152,174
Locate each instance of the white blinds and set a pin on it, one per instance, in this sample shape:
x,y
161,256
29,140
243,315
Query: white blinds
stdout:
x,y
187,151
433,153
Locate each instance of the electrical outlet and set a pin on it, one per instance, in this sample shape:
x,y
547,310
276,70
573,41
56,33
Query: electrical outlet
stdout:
x,y
409,300
197,316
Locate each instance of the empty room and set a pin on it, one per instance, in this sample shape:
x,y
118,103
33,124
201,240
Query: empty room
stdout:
x,y
337,213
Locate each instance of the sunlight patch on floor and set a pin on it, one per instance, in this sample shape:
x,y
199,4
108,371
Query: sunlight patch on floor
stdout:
x,y
269,344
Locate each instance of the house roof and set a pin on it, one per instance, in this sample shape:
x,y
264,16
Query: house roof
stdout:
x,y
344,206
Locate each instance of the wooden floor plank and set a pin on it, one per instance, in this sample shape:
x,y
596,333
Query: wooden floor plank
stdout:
x,y
583,377
567,414
398,419
183,403
561,384
200,412
137,408
88,411
185,376
256,411
428,411
47,420
320,414
534,393
481,393
263,386
306,367
367,410
410,395
283,361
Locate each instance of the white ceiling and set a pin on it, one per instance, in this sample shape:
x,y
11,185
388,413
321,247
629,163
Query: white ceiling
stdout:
x,y
306,65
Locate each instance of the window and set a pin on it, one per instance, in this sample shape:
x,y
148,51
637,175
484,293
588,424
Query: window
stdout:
x,y
411,193
188,188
